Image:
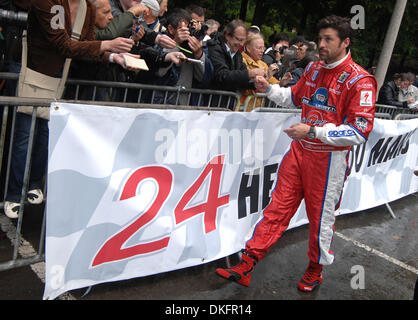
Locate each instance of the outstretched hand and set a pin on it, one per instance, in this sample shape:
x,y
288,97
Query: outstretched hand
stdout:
x,y
165,41
261,84
118,58
175,57
286,79
117,45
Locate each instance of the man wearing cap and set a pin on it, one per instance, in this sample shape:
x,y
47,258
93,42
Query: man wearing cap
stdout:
x,y
125,14
151,14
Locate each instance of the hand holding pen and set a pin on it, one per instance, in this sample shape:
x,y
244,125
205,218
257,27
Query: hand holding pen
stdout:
x,y
138,32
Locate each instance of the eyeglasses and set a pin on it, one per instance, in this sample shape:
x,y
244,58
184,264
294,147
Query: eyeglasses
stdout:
x,y
238,39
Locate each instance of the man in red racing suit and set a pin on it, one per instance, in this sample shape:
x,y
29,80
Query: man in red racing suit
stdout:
x,y
337,97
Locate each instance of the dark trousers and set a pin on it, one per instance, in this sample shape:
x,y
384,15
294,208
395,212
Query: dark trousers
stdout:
x,y
19,151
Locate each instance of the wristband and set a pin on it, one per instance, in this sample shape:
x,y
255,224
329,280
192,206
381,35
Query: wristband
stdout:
x,y
111,57
269,89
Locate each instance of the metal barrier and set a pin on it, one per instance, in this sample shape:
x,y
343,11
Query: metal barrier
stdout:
x,y
262,109
260,100
403,116
380,115
8,126
88,90
393,111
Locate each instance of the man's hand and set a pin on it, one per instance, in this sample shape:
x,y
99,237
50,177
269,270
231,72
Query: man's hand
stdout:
x,y
196,47
273,69
117,45
253,73
118,58
165,41
286,79
297,131
137,9
261,84
183,33
137,36
175,57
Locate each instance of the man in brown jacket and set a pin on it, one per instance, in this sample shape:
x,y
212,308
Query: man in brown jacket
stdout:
x,y
49,40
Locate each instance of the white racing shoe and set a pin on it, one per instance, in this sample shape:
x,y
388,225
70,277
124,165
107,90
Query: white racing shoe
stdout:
x,y
35,196
11,209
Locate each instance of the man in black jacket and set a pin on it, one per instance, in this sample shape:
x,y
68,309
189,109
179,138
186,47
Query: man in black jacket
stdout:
x,y
230,72
389,93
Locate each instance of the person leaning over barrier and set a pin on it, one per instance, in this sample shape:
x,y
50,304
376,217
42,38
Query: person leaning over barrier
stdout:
x,y
125,14
193,71
337,98
49,44
389,93
407,91
230,72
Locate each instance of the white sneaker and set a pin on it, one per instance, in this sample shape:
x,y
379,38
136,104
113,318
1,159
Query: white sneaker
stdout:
x,y
11,209
35,196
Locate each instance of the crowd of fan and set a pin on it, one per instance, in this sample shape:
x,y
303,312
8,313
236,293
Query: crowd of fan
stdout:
x,y
226,60
401,92
229,60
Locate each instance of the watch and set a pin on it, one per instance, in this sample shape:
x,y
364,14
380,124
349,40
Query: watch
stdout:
x,y
311,134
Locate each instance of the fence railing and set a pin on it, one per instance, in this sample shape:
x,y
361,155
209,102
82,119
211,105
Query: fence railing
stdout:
x,y
260,100
402,116
88,90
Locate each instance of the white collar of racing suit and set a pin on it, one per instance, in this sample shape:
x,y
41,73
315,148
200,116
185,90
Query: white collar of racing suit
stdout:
x,y
336,63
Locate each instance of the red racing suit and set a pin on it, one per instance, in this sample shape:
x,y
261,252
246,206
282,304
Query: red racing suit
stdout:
x,y
339,99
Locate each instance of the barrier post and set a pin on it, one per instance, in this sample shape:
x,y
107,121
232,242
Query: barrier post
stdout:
x,y
390,210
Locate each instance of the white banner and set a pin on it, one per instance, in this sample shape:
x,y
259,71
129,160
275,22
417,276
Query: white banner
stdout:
x,y
136,192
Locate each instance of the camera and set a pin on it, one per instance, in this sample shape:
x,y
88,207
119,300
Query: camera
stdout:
x,y
282,49
198,34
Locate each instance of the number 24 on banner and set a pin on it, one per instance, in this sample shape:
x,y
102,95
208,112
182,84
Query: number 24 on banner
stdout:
x,y
112,249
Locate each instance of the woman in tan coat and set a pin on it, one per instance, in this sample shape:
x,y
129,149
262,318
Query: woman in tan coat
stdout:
x,y
254,50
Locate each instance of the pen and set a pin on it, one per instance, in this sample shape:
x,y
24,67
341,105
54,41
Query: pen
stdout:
x,y
185,50
190,60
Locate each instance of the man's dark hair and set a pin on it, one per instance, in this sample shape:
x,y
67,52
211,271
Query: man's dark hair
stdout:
x,y
296,40
341,24
199,11
282,36
176,15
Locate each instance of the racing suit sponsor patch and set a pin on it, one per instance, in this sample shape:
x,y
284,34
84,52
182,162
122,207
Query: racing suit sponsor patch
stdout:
x,y
355,79
341,133
319,100
361,124
343,77
366,98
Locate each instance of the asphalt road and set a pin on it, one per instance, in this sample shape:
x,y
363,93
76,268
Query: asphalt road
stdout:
x,y
376,258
